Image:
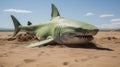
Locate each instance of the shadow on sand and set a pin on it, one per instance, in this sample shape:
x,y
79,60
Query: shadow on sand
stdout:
x,y
89,46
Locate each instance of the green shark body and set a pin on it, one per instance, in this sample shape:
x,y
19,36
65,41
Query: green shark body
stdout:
x,y
58,29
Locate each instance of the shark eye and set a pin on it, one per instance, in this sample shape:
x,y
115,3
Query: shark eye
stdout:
x,y
72,34
78,29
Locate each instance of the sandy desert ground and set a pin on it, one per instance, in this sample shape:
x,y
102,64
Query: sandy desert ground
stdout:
x,y
14,54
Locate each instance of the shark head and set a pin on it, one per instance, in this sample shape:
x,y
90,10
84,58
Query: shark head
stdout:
x,y
72,31
75,32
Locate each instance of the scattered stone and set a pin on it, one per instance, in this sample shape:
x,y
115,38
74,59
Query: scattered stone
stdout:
x,y
76,60
110,38
114,56
65,63
28,60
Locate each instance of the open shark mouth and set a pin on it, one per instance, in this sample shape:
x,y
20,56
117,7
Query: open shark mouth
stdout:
x,y
85,37
76,39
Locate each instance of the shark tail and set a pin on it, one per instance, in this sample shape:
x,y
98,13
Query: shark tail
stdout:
x,y
16,25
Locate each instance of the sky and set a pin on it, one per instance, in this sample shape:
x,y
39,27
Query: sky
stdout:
x,y
105,14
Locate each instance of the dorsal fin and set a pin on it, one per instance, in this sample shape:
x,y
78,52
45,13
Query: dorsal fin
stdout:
x,y
29,23
55,11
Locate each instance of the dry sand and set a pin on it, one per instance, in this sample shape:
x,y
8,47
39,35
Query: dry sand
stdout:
x,y
14,54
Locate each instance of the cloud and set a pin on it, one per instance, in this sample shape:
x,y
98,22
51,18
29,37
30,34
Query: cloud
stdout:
x,y
89,14
114,25
106,15
115,20
109,26
17,11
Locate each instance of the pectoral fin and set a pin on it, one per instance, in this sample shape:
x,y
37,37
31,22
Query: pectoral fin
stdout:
x,y
48,40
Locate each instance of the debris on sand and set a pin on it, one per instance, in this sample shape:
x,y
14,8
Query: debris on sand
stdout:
x,y
110,38
28,60
22,37
65,63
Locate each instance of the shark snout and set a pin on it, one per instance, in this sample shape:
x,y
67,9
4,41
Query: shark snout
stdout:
x,y
92,32
87,32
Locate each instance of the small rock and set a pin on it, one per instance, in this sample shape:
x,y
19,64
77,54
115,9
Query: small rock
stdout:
x,y
110,38
76,60
65,63
28,60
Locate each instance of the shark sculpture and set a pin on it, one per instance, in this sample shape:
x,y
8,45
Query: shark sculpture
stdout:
x,y
58,29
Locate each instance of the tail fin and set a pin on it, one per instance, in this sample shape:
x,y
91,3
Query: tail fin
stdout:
x,y
16,25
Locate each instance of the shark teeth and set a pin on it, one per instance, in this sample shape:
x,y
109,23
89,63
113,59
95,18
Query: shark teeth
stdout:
x,y
85,37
